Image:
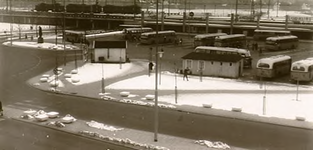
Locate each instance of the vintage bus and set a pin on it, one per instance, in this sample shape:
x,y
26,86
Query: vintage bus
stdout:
x,y
161,37
206,39
281,42
135,33
233,40
261,35
273,66
245,54
74,36
302,70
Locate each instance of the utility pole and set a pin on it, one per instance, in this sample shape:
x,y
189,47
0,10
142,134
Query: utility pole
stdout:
x,y
268,9
236,14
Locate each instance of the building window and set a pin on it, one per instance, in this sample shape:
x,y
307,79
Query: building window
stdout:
x,y
201,65
188,63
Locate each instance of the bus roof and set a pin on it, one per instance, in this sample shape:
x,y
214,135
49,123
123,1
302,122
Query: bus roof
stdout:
x,y
132,29
302,63
74,32
230,36
281,37
272,31
130,25
100,35
229,49
159,32
209,35
273,59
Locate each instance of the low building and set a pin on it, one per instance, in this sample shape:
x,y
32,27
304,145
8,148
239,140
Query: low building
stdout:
x,y
218,65
109,51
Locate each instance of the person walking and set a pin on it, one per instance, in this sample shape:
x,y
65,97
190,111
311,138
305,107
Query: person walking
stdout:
x,y
186,72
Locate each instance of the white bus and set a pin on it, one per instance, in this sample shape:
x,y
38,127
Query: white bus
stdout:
x,y
161,37
302,70
135,33
206,39
245,54
281,42
233,40
273,66
260,34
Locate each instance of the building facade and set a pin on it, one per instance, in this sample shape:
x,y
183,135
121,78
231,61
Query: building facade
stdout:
x,y
217,65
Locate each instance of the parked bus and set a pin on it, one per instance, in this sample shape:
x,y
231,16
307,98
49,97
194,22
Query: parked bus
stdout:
x,y
206,39
273,66
302,70
260,34
281,42
245,54
161,37
134,33
234,40
74,36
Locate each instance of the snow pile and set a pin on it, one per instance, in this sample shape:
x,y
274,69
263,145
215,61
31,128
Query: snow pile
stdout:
x,y
217,145
102,126
122,141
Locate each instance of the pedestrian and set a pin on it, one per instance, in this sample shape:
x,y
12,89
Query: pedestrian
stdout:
x,y
186,72
180,41
1,110
150,67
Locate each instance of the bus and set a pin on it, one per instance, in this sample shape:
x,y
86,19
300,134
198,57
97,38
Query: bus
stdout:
x,y
135,33
281,42
261,35
273,66
162,37
74,36
233,40
245,54
206,39
302,70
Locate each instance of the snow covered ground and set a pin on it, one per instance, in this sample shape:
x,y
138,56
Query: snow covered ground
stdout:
x,y
281,99
281,103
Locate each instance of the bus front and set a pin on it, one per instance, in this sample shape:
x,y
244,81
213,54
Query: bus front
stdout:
x,y
144,38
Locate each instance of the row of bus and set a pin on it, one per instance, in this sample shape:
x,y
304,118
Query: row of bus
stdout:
x,y
274,40
281,65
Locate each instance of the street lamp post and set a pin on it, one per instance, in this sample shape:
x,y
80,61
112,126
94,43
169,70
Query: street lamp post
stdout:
x,y
156,113
160,53
176,92
102,79
297,91
264,96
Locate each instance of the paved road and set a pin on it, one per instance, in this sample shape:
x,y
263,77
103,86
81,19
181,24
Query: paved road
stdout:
x,y
18,135
18,65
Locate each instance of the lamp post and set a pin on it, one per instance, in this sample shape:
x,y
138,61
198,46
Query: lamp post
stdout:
x,y
264,96
297,99
176,92
102,79
156,113
160,53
